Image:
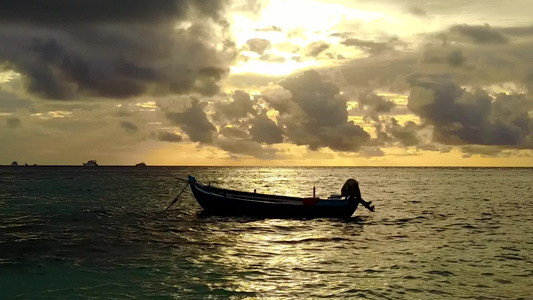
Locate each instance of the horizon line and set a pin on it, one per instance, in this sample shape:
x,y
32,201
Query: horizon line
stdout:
x,y
260,166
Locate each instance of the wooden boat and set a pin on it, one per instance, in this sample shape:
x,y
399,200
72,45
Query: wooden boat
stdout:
x,y
218,201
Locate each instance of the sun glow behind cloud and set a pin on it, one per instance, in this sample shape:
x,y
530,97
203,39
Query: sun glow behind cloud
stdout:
x,y
290,24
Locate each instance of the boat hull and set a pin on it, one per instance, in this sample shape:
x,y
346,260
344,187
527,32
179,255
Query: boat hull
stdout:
x,y
217,201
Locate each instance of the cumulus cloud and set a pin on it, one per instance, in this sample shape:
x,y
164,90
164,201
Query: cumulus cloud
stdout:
x,y
166,136
194,122
258,45
241,106
374,104
315,115
462,117
264,130
67,50
405,134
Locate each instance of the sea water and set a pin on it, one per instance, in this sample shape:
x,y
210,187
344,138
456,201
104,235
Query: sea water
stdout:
x,y
437,233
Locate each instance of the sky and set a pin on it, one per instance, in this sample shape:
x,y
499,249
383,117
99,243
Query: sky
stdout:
x,y
267,83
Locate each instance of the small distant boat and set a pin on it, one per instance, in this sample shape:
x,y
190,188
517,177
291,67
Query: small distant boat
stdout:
x,y
219,201
141,164
90,163
14,164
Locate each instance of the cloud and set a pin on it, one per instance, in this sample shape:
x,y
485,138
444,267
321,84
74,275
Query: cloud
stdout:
x,y
519,31
264,130
434,147
470,150
461,117
60,12
129,126
371,47
405,134
194,122
270,29
456,58
417,11
10,102
315,115
374,104
371,152
166,136
273,59
83,49
241,106
315,48
234,132
379,72
246,147
13,123
258,45
479,34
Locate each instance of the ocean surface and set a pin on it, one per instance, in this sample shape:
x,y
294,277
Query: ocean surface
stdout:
x,y
437,233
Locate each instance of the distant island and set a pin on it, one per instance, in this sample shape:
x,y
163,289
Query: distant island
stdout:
x,y
141,164
90,163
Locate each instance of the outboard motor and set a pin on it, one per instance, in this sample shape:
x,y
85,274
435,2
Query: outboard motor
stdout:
x,y
351,189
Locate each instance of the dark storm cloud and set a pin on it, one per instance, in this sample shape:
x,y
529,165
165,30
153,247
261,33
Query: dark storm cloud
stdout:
x,y
194,122
315,114
315,48
258,45
118,49
463,117
166,136
13,123
479,34
61,12
129,126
